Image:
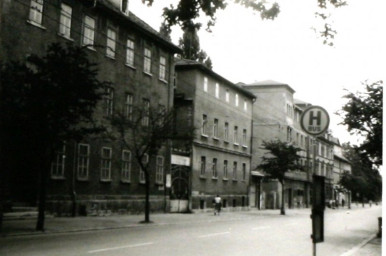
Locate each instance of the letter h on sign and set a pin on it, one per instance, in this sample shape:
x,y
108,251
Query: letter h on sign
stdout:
x,y
317,117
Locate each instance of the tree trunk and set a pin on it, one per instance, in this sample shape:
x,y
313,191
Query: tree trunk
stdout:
x,y
147,197
43,178
282,209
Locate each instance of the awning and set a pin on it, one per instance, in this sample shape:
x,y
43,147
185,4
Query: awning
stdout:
x,y
257,173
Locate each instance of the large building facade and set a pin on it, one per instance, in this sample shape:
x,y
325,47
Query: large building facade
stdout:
x,y
98,173
220,155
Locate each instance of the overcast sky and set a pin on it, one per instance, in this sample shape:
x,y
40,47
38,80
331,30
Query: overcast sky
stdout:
x,y
243,48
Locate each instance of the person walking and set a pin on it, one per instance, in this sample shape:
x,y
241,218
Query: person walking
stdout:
x,y
217,205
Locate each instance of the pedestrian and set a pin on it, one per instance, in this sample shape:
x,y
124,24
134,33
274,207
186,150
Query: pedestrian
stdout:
x,y
370,203
217,205
343,202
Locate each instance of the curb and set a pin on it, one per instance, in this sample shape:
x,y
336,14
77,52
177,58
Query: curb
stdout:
x,y
359,246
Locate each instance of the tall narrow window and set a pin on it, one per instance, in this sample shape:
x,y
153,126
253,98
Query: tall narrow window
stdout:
x,y
225,171
146,112
111,42
159,170
126,166
215,128
36,11
203,166
83,161
235,135
57,166
227,95
244,171
204,125
217,90
162,68
109,101
234,171
65,20
147,61
289,134
236,100
129,106
226,131
88,31
145,161
130,52
214,168
205,84
244,137
106,164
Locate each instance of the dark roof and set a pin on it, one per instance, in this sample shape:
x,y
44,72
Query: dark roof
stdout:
x,y
269,84
184,64
342,158
139,24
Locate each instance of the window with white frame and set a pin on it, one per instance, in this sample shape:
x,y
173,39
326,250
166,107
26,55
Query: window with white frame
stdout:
x,y
83,161
57,166
217,90
225,171
244,171
111,42
215,128
126,166
236,100
234,175
244,137
109,102
214,168
130,52
162,68
226,131
159,175
36,11
106,154
227,95
235,135
88,31
146,112
205,84
245,105
145,161
129,106
65,20
203,166
204,128
147,61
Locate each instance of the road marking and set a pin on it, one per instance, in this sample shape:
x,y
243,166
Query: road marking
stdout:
x,y
120,247
260,228
214,234
356,248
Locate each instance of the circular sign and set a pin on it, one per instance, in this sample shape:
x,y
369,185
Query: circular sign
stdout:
x,y
315,120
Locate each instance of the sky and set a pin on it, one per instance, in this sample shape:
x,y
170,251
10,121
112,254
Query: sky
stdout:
x,y
244,48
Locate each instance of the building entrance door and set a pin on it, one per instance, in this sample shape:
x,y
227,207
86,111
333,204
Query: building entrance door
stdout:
x,y
179,195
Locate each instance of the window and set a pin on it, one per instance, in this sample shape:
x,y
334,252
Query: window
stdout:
x,y
83,161
245,105
36,11
289,134
226,131
65,20
130,52
147,61
106,163
244,137
214,168
162,68
125,6
203,166
236,100
126,166
204,125
111,37
159,170
129,106
225,171
88,30
205,84
244,172
217,90
234,171
109,101
145,160
235,135
146,112
215,128
57,166
227,95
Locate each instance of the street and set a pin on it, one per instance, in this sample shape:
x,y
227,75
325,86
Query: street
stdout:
x,y
231,233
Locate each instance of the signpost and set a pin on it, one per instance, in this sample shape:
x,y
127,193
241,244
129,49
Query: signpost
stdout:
x,y
314,121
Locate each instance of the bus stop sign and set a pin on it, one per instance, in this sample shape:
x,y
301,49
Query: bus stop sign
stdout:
x,y
315,120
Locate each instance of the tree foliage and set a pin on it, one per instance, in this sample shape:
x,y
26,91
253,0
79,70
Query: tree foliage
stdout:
x,y
363,116
43,102
281,157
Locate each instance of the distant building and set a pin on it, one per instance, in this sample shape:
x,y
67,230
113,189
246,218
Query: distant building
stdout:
x,y
139,63
221,151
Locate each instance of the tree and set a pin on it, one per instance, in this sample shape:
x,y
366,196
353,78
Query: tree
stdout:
x,y
186,12
281,157
363,116
190,45
45,101
145,131
165,31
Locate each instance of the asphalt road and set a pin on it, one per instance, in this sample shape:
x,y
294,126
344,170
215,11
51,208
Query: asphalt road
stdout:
x,y
267,235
